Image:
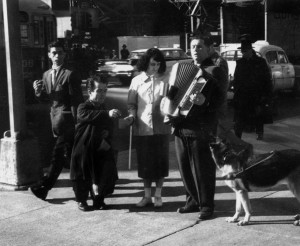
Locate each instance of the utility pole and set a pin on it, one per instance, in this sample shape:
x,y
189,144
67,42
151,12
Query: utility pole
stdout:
x,y
19,162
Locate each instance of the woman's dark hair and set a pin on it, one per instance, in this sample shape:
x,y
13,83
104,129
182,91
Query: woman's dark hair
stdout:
x,y
157,55
90,82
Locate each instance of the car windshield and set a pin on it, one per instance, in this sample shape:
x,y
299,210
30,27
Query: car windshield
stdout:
x,y
233,55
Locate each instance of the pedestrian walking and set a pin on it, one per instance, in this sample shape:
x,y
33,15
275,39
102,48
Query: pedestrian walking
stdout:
x,y
62,88
124,52
252,89
151,134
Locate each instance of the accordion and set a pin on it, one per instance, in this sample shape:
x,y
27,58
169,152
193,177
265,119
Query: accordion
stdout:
x,y
185,80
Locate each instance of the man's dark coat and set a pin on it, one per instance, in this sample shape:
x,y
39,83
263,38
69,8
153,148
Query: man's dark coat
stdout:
x,y
88,161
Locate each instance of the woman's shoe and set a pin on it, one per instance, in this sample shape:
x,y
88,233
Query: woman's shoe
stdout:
x,y
144,202
158,202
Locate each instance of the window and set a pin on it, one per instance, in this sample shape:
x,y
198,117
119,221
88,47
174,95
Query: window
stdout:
x,y
229,55
38,35
24,34
43,29
282,57
272,57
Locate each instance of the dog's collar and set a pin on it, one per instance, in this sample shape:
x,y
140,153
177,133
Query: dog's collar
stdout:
x,y
244,169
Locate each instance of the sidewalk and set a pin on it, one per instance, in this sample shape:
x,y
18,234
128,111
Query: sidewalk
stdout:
x,y
26,220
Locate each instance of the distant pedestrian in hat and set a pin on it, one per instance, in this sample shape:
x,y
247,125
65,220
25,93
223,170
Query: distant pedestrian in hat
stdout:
x,y
252,89
124,52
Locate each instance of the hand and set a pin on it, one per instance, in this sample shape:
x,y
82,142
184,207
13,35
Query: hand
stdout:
x,y
129,119
114,113
37,86
95,189
197,98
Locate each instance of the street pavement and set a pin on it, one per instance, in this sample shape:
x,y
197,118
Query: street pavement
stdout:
x,y
26,220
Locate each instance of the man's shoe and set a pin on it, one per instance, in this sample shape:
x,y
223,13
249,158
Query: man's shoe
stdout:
x,y
144,202
40,192
83,206
158,202
188,209
206,214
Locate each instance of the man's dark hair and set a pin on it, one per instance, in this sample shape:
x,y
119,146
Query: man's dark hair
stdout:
x,y
208,40
56,44
99,78
157,55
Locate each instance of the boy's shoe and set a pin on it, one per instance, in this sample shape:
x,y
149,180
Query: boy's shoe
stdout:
x,y
144,202
40,192
98,203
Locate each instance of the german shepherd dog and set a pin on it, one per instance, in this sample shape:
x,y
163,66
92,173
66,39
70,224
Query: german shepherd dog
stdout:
x,y
244,172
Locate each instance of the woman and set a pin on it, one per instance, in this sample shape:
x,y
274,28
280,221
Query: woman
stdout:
x,y
151,134
93,166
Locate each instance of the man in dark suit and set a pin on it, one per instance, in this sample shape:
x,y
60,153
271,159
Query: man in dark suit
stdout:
x,y
62,88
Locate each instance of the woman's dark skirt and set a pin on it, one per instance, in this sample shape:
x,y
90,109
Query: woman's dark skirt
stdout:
x,y
152,156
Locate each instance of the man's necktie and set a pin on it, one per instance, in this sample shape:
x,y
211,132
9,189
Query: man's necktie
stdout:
x,y
53,77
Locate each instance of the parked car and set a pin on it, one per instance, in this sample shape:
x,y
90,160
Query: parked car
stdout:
x,y
125,70
172,55
283,72
116,68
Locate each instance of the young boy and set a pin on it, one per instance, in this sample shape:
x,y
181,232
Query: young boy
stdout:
x,y
93,167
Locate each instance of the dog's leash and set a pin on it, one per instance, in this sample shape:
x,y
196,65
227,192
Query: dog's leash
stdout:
x,y
239,174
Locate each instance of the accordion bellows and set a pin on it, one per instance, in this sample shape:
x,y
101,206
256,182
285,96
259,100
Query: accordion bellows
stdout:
x,y
185,80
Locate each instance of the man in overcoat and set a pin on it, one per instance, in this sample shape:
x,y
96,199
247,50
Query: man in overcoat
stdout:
x,y
252,89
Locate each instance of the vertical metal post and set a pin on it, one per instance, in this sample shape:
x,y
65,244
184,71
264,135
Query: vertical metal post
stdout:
x,y
186,42
15,83
266,21
221,25
130,148
192,22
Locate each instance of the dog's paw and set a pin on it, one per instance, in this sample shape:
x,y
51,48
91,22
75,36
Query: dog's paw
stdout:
x,y
243,222
297,217
232,220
